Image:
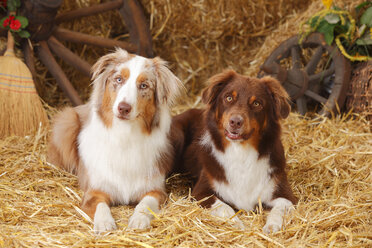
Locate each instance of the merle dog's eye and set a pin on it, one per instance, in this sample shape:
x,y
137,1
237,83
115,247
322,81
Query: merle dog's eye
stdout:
x,y
143,86
119,80
229,98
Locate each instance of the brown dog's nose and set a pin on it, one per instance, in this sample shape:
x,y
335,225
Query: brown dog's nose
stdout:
x,y
236,121
124,108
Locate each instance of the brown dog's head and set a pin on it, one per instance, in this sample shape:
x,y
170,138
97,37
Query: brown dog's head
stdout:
x,y
244,107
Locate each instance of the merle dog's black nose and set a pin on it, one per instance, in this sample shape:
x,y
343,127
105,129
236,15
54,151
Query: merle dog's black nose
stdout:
x,y
236,121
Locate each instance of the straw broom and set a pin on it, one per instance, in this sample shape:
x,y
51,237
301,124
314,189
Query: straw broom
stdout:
x,y
21,111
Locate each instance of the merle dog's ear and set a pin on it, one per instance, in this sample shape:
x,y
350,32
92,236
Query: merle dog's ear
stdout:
x,y
216,85
101,70
279,95
169,87
119,56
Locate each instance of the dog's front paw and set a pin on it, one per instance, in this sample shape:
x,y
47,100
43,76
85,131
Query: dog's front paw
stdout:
x,y
272,227
222,210
103,220
139,221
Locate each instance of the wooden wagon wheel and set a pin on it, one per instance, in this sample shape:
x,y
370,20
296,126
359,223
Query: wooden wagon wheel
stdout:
x,y
45,33
313,73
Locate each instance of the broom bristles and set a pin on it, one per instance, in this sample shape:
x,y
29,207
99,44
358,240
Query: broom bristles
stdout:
x,y
21,111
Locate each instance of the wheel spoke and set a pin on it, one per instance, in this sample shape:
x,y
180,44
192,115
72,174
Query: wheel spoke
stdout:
x,y
48,60
321,75
314,60
275,69
296,63
315,96
301,105
29,57
88,11
139,32
66,35
71,58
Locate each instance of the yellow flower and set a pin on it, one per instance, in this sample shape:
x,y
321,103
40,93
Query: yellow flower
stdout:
x,y
370,33
327,3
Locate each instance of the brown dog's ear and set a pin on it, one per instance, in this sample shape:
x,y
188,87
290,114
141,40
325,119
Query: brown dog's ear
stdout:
x,y
216,85
168,86
280,96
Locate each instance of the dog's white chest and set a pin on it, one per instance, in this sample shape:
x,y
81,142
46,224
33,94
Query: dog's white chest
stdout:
x,y
121,161
248,178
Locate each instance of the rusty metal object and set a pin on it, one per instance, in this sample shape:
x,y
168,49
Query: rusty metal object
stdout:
x,y
302,77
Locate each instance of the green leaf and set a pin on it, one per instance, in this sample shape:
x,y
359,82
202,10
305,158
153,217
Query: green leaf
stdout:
x,y
23,34
12,5
336,8
328,31
23,20
2,21
313,21
360,6
332,18
361,30
365,39
366,18
17,3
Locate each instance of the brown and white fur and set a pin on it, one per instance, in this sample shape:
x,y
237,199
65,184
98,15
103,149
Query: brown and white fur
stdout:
x,y
233,148
118,143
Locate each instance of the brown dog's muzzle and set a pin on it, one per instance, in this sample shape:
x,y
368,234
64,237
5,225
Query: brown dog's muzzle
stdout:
x,y
234,126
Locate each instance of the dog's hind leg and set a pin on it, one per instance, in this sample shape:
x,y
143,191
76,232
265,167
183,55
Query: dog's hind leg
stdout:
x,y
63,143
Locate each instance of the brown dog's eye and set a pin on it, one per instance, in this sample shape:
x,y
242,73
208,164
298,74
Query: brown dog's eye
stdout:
x,y
229,98
256,103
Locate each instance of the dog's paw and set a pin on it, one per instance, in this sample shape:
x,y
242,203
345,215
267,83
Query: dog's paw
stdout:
x,y
222,210
104,225
103,220
139,221
272,227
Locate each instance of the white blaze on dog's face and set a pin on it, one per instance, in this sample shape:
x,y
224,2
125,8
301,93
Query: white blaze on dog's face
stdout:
x,y
134,88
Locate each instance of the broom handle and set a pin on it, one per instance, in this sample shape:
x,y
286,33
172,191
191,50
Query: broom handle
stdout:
x,y
10,42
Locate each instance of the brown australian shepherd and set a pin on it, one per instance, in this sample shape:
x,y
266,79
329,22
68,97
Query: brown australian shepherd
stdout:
x,y
233,149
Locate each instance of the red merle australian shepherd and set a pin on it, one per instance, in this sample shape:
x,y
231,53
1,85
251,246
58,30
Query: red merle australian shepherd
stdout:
x,y
118,143
233,147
